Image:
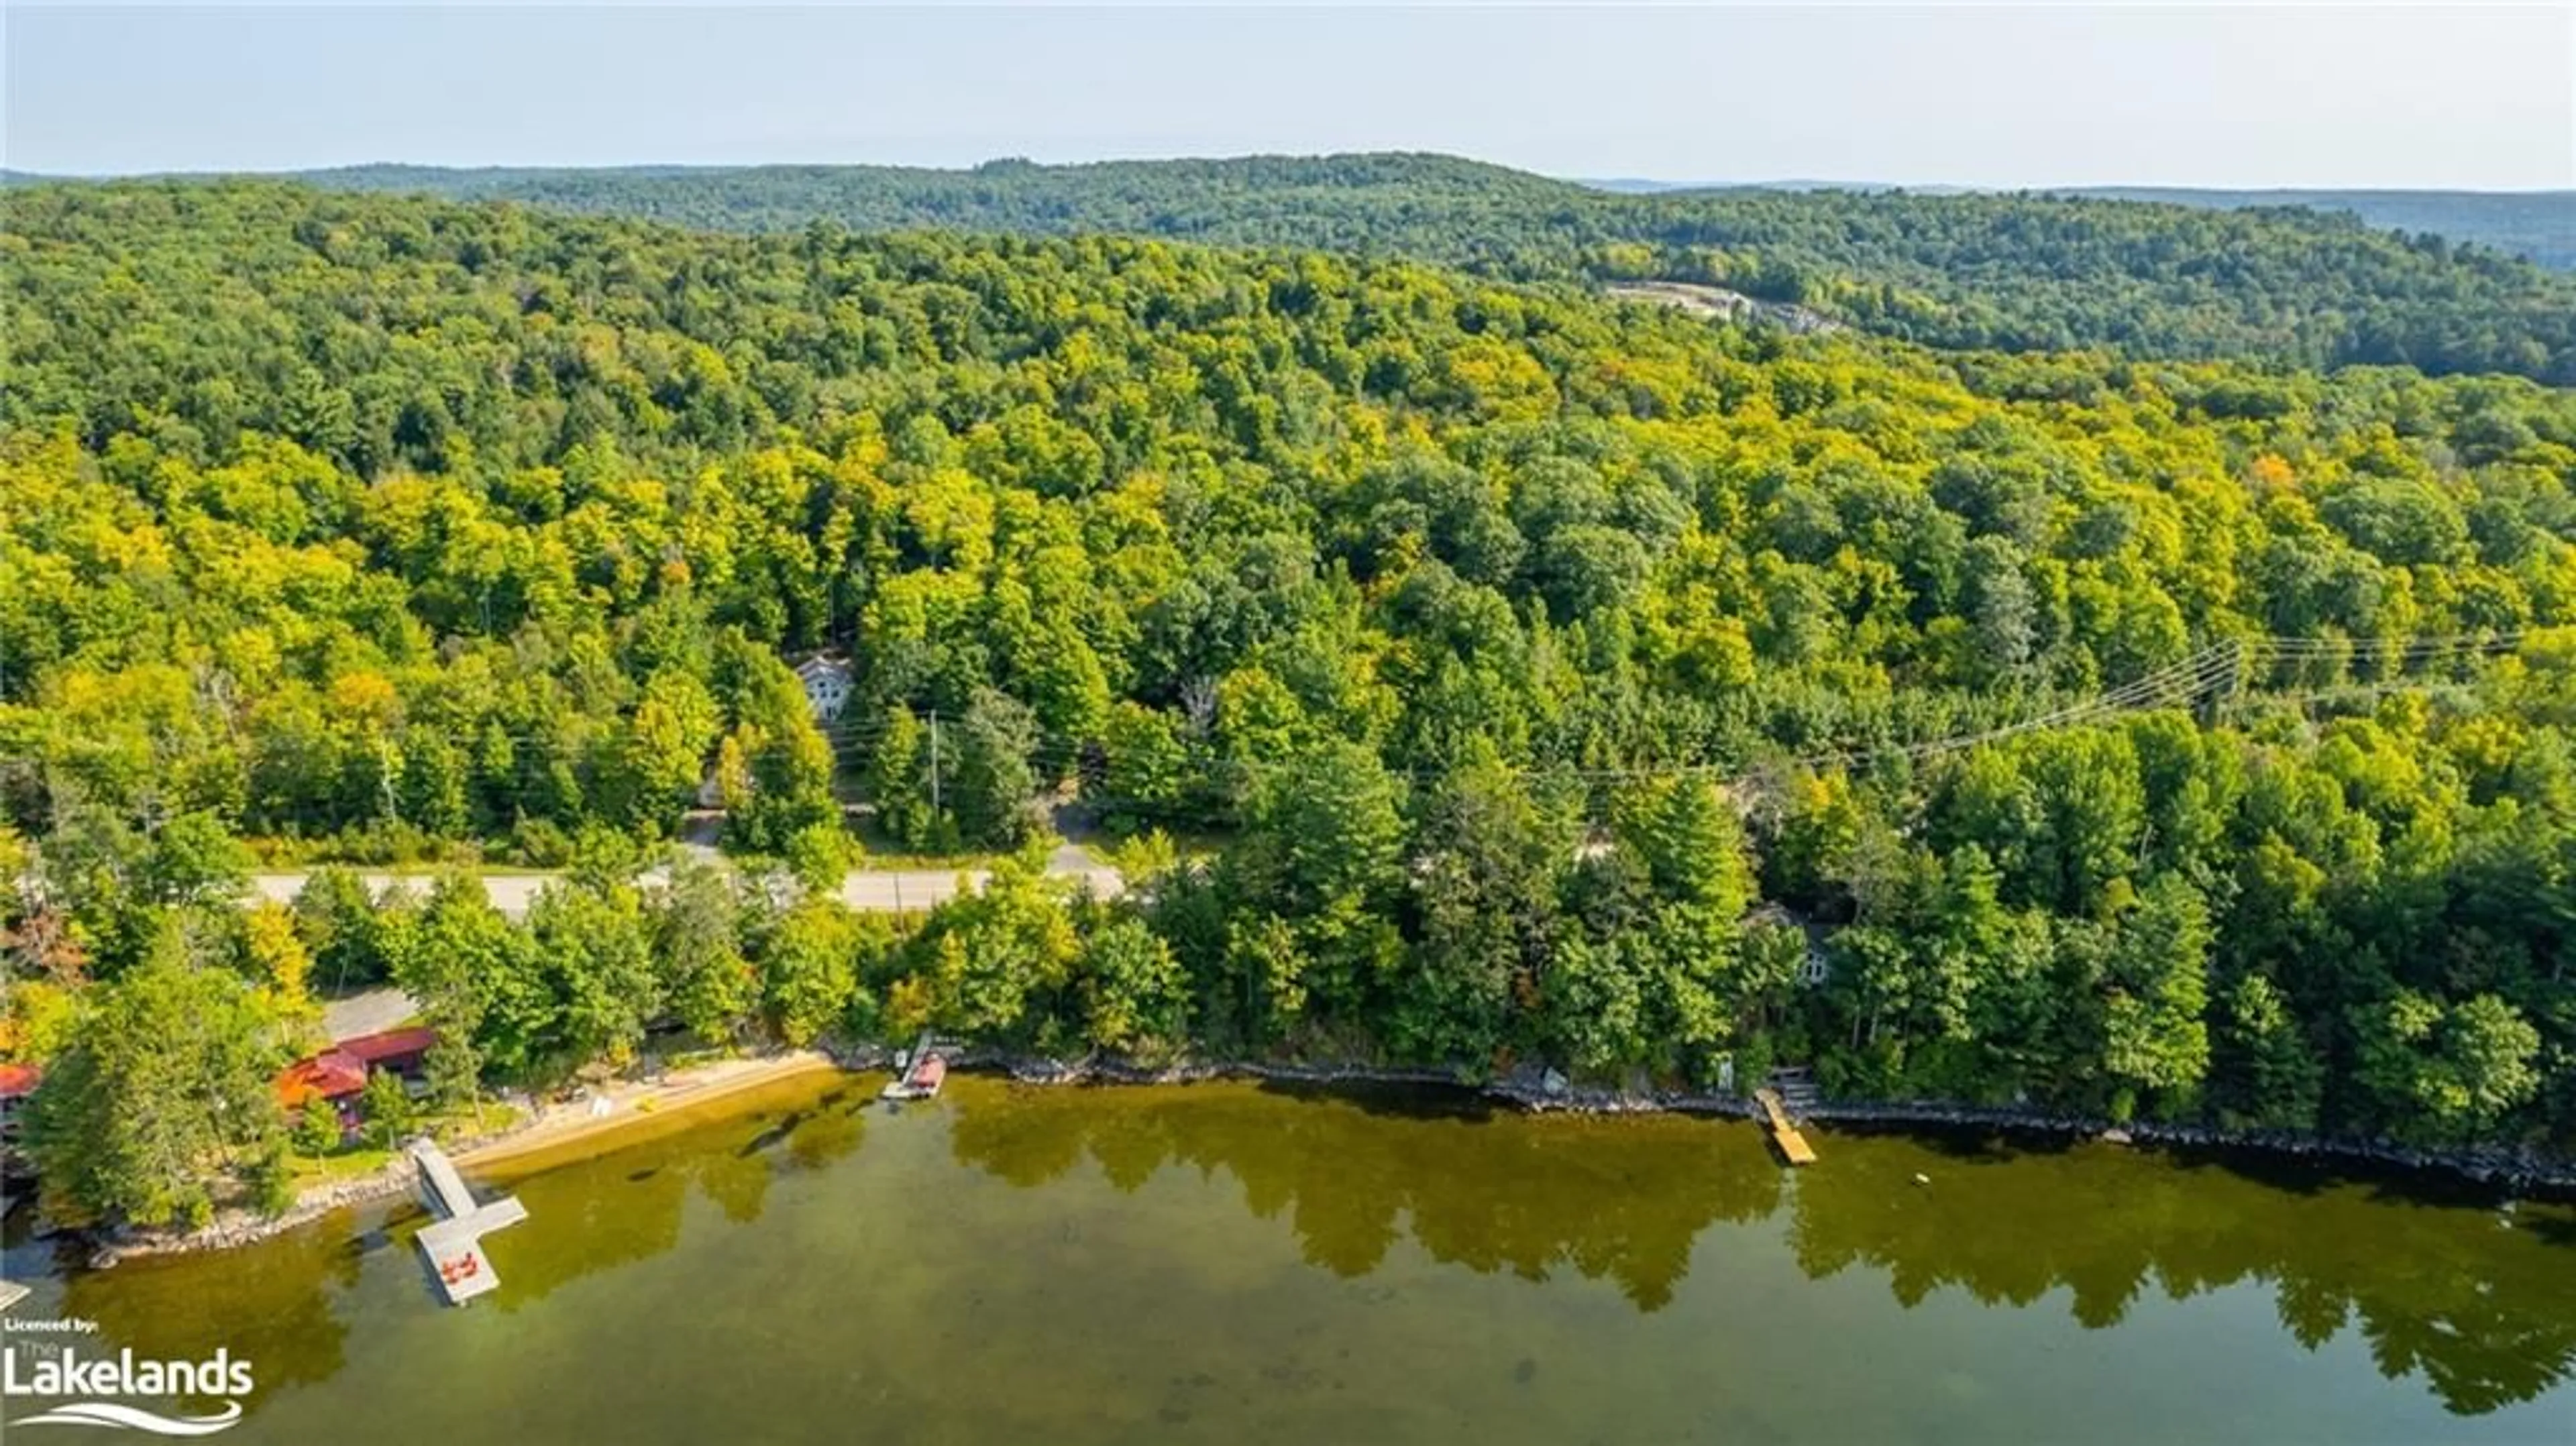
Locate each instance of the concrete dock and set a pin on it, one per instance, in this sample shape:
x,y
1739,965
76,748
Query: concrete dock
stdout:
x,y
453,1246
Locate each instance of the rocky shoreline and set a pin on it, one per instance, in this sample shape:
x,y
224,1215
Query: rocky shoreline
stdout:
x,y
2514,1171
1025,1070
1536,1092
235,1225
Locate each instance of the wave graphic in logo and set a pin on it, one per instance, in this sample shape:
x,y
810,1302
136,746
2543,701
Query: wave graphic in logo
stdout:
x,y
134,1418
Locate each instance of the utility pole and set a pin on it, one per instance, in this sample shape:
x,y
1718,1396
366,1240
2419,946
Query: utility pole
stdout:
x,y
385,780
934,764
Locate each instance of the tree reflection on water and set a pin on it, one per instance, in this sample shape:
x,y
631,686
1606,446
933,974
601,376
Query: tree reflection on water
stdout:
x,y
2476,1302
2479,1304
632,1205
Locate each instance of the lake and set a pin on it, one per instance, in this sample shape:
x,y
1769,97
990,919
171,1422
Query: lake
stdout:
x,y
1242,1264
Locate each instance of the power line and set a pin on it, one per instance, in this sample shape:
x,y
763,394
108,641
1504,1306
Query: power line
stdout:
x,y
2219,669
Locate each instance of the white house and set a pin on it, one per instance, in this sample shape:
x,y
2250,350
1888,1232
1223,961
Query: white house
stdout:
x,y
826,677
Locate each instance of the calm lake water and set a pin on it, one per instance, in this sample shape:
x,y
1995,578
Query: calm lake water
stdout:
x,y
1228,1263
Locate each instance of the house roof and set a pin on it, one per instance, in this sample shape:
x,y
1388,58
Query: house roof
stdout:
x,y
17,1081
372,1049
327,1075
822,665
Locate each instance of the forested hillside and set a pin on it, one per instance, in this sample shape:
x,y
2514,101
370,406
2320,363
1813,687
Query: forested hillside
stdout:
x,y
2021,273
1509,649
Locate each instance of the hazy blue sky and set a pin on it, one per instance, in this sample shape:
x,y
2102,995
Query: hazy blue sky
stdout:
x,y
2045,94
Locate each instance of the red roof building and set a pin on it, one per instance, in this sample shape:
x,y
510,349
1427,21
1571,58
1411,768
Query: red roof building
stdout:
x,y
17,1081
393,1049
341,1071
329,1075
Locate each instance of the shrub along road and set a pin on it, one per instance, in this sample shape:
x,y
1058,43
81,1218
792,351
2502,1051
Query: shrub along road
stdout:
x,y
877,891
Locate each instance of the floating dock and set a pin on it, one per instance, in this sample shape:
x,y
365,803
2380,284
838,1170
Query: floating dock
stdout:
x,y
11,1292
1793,1146
453,1246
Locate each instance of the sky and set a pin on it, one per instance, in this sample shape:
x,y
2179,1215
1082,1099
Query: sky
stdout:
x,y
2040,94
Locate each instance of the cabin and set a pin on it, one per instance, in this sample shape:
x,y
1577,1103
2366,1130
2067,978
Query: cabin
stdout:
x,y
329,1075
403,1051
828,680
340,1074
1815,966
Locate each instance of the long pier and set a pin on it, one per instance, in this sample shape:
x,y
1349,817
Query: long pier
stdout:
x,y
453,1246
1793,1146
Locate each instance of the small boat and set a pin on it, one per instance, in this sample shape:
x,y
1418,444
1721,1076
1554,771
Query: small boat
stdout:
x,y
920,1082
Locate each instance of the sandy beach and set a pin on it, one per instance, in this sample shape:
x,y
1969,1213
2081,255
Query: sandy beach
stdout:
x,y
582,1126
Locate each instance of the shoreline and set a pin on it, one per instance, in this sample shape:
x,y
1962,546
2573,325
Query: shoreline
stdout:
x,y
630,1104
636,1103
2513,1171
2510,1170
570,1126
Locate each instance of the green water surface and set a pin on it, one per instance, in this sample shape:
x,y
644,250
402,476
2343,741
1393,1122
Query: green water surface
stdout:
x,y
1229,1263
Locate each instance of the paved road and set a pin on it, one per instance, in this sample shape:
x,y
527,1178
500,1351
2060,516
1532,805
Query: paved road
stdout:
x,y
369,1011
510,893
903,891
884,891
876,891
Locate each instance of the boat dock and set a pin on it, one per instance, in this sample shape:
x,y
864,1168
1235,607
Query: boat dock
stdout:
x,y
11,1292
918,1073
453,1246
1793,1146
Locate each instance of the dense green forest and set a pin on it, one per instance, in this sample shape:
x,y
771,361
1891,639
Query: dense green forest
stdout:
x,y
1547,680
2020,273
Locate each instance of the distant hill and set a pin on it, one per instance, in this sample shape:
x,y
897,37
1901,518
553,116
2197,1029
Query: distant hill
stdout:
x,y
2012,272
2538,225
2535,225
